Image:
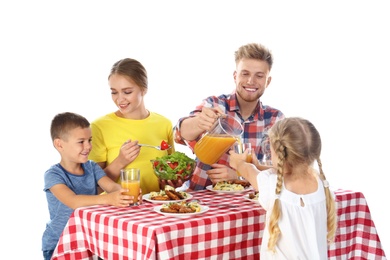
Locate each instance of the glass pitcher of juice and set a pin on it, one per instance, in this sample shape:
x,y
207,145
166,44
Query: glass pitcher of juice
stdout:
x,y
210,148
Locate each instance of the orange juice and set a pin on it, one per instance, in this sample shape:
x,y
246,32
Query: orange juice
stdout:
x,y
211,147
248,158
240,147
133,187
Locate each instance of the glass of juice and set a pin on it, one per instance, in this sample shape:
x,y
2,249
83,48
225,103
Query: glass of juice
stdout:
x,y
240,147
130,180
247,146
213,144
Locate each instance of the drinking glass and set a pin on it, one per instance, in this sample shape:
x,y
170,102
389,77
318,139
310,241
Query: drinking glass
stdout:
x,y
266,160
130,180
241,148
266,150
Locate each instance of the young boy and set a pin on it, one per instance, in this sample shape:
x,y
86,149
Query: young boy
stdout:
x,y
73,182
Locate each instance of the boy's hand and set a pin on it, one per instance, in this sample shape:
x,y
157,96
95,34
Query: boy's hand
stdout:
x,y
117,199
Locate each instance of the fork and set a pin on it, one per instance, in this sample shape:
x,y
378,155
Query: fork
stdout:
x,y
158,147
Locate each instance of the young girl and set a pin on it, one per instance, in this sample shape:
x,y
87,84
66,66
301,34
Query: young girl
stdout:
x,y
301,212
116,135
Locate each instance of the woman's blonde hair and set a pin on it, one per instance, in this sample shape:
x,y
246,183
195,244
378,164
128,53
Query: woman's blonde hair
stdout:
x,y
296,142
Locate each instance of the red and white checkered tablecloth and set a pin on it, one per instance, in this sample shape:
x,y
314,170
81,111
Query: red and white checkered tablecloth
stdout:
x,y
356,237
220,233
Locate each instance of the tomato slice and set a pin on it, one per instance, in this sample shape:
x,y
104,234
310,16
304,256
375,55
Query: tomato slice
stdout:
x,y
164,145
173,165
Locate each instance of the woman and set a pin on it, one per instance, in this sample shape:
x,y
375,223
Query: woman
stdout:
x,y
116,135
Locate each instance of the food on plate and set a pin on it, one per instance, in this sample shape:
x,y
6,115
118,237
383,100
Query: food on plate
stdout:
x,y
167,194
159,197
253,195
181,207
231,185
174,195
173,166
243,183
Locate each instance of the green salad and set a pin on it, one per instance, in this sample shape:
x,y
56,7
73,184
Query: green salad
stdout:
x,y
174,166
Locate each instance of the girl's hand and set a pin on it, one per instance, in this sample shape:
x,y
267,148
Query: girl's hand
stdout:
x,y
236,158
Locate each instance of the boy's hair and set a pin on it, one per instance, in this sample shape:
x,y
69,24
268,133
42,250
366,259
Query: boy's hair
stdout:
x,y
254,51
131,69
297,142
64,122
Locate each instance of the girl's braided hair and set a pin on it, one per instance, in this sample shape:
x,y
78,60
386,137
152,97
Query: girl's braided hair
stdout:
x,y
296,141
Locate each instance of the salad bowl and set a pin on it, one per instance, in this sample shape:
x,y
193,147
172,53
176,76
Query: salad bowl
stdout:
x,y
174,166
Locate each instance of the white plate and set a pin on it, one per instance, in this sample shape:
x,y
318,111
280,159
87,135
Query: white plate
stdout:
x,y
147,198
203,209
210,188
246,196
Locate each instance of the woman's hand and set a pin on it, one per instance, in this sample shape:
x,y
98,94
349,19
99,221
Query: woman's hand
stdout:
x,y
129,152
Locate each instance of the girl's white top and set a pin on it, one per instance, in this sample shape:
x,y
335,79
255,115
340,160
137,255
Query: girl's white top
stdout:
x,y
303,228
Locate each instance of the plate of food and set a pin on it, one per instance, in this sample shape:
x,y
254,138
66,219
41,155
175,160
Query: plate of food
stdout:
x,y
252,196
166,196
181,209
230,186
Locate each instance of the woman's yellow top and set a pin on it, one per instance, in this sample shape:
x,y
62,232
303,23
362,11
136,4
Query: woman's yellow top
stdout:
x,y
109,133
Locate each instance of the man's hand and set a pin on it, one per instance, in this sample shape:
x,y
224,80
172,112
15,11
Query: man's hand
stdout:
x,y
207,118
221,172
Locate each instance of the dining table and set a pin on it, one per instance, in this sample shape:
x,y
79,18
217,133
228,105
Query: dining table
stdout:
x,y
229,226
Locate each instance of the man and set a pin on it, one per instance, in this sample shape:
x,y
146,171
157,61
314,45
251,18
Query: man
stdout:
x,y
252,77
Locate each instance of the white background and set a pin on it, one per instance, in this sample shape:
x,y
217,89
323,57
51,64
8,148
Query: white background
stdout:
x,y
331,67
